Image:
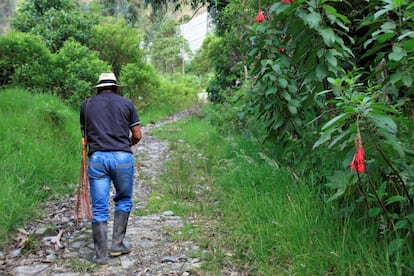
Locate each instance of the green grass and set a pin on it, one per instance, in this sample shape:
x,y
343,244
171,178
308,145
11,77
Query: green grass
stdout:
x,y
41,152
259,217
40,155
253,214
161,110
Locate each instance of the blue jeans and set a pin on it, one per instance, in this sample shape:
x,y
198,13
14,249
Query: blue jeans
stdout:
x,y
104,167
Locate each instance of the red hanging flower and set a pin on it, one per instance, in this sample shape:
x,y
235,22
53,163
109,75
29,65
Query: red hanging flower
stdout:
x,y
288,1
281,50
358,162
260,17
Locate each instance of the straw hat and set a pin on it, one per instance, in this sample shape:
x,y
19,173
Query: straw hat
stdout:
x,y
107,80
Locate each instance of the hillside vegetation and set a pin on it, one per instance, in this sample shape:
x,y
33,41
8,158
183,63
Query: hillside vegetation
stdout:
x,y
40,155
257,217
315,96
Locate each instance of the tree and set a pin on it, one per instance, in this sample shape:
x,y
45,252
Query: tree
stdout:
x,y
24,60
75,71
55,21
117,44
168,47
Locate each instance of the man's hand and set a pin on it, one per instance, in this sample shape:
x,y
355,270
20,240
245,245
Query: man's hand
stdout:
x,y
136,134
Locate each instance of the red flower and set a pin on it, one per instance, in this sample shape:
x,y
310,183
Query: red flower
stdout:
x,y
288,1
358,162
281,50
260,16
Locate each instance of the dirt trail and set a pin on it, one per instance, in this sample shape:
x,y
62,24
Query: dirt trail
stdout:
x,y
59,246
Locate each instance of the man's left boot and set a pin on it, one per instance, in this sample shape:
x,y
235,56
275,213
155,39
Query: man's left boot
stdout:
x,y
99,240
118,247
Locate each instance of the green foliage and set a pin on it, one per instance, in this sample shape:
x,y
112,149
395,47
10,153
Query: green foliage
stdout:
x,y
287,71
385,190
54,21
173,94
40,138
200,64
24,60
76,70
269,222
177,90
389,46
168,48
131,10
343,68
117,43
141,83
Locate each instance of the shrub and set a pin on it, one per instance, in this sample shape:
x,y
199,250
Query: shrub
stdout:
x,y
55,21
24,60
40,146
177,90
117,44
76,70
141,82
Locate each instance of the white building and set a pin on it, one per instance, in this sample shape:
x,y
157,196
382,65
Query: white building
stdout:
x,y
195,30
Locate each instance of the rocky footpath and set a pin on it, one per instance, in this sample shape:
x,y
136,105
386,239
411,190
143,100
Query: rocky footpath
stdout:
x,y
56,245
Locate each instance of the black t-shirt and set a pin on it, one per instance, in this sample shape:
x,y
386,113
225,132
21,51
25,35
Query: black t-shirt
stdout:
x,y
108,118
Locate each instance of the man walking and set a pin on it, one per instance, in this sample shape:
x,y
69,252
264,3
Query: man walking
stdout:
x,y
111,125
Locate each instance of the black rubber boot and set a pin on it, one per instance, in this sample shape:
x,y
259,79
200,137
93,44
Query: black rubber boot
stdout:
x,y
120,224
100,242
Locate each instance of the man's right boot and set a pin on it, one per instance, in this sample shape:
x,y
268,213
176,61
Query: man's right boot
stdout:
x,y
100,242
119,247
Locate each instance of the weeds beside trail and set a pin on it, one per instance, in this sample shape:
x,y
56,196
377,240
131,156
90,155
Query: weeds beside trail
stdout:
x,y
246,212
39,155
257,217
53,243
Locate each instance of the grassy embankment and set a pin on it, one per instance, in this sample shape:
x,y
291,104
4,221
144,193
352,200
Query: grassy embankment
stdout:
x,y
256,215
40,153
252,211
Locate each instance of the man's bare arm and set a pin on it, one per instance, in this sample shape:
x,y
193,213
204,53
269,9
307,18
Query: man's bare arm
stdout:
x,y
136,134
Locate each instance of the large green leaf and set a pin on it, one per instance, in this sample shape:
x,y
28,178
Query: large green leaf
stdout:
x,y
326,136
407,79
283,83
333,16
292,109
396,56
312,19
409,45
346,134
395,199
395,246
397,53
373,212
391,140
328,36
384,122
340,180
286,96
330,57
402,224
321,71
336,120
278,8
385,37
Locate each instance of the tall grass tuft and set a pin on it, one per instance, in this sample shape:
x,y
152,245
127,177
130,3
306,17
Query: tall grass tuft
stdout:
x,y
40,154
